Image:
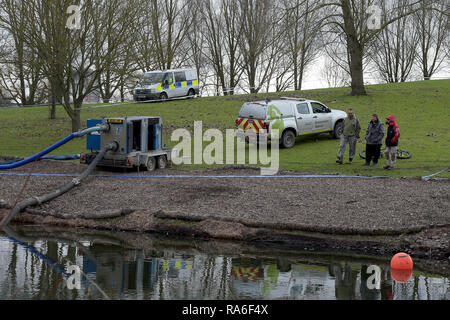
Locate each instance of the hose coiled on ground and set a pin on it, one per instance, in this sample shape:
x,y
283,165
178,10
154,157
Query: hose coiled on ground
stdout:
x,y
34,201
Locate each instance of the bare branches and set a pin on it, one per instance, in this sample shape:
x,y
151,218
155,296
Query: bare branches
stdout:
x,y
256,44
394,49
22,75
432,21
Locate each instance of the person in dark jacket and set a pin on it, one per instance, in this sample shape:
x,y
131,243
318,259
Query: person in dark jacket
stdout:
x,y
374,141
393,135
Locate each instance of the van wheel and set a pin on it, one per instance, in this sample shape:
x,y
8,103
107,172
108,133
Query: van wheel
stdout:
x,y
338,130
191,93
162,162
163,97
151,164
288,139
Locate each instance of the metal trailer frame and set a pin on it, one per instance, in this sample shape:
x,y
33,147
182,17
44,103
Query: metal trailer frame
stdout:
x,y
140,141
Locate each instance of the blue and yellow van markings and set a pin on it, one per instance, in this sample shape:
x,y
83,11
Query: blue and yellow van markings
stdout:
x,y
183,84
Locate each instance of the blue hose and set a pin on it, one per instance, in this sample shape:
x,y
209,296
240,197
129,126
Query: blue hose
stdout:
x,y
193,177
436,174
60,158
40,154
10,162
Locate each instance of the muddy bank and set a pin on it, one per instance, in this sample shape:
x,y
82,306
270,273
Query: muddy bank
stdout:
x,y
430,244
391,214
151,242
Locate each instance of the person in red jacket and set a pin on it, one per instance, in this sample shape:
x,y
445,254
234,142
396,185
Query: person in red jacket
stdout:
x,y
393,135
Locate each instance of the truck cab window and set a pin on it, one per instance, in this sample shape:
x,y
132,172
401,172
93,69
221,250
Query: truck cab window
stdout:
x,y
318,108
303,108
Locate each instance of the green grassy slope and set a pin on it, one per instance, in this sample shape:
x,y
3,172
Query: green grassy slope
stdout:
x,y
422,110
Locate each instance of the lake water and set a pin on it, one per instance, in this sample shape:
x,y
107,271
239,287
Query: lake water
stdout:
x,y
34,265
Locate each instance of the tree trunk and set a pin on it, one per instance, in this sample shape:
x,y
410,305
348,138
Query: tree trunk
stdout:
x,y
356,70
53,108
122,93
295,73
355,51
76,119
252,80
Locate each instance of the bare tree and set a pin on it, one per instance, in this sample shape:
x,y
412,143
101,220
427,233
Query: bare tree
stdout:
x,y
4,97
21,78
122,68
394,49
275,61
142,45
214,27
352,20
223,34
170,26
232,38
303,23
257,22
334,75
73,60
194,53
432,21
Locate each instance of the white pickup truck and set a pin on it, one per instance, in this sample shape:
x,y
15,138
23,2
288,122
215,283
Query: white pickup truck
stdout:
x,y
293,117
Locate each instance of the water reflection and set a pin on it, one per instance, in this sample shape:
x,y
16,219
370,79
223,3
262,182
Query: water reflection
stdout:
x,y
32,270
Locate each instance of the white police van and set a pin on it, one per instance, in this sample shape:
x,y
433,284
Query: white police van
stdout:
x,y
164,85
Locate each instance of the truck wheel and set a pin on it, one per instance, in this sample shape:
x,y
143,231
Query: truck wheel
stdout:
x,y
288,139
162,162
191,93
338,130
163,97
151,164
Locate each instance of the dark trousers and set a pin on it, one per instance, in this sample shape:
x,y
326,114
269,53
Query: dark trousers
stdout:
x,y
373,153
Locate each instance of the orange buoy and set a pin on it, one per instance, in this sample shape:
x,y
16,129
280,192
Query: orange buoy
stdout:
x,y
401,276
402,261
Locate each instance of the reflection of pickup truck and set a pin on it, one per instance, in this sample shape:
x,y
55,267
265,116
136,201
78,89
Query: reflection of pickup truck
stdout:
x,y
292,117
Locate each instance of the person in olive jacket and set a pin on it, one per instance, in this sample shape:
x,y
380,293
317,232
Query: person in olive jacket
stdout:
x,y
352,129
374,140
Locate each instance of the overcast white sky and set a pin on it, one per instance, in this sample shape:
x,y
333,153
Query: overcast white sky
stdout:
x,y
315,80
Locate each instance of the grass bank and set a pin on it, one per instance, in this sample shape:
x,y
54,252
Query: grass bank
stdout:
x,y
422,110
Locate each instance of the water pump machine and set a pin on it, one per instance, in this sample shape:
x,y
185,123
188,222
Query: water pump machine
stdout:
x,y
139,143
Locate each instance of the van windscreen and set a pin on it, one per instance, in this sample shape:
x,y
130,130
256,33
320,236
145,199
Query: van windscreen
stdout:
x,y
152,79
254,111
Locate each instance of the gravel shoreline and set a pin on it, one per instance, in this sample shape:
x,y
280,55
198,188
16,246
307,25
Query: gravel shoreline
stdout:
x,y
383,204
